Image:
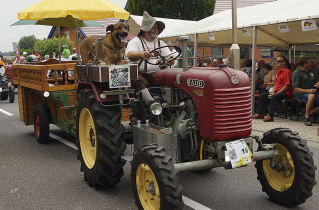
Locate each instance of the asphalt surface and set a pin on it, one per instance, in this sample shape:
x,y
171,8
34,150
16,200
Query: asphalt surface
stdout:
x,y
35,176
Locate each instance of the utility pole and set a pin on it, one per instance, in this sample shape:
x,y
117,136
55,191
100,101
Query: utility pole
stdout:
x,y
234,49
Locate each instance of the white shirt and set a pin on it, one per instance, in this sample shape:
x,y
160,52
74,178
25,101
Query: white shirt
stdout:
x,y
136,46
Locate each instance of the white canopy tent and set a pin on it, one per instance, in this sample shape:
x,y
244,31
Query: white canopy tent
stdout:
x,y
266,17
135,23
280,23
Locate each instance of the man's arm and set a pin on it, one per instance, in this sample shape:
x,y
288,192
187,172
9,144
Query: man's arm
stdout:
x,y
134,56
301,90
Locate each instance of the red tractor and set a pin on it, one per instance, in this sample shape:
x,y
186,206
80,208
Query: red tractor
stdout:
x,y
204,121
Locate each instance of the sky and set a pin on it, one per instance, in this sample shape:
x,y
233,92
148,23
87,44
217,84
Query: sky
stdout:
x,y
9,34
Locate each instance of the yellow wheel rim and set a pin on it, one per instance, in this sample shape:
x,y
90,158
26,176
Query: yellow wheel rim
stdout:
x,y
280,170
87,136
147,188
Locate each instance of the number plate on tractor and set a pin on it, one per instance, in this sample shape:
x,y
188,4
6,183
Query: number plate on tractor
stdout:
x,y
119,76
238,153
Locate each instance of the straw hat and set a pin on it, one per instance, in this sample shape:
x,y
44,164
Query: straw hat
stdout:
x,y
148,22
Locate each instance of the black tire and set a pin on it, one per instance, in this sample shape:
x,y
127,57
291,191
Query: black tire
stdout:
x,y
165,175
107,168
11,94
294,183
4,95
41,123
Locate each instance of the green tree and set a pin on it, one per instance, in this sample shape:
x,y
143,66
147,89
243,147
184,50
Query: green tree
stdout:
x,y
181,9
48,46
26,43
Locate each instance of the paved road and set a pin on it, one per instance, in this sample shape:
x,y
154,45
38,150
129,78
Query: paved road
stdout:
x,y
34,176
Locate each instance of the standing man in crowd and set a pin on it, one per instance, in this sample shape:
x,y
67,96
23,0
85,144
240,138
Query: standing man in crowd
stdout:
x,y
138,51
306,84
282,90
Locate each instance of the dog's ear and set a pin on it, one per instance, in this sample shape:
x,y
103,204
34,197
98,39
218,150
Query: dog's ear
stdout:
x,y
110,28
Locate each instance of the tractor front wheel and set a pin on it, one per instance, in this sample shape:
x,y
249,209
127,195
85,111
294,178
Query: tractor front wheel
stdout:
x,y
100,141
287,178
154,181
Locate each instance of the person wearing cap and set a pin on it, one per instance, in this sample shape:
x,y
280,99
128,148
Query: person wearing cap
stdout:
x,y
25,55
138,51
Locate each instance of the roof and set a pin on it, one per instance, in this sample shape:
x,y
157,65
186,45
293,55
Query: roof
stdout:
x,y
222,5
91,31
265,16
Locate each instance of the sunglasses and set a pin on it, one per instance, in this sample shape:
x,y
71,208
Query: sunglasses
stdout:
x,y
279,61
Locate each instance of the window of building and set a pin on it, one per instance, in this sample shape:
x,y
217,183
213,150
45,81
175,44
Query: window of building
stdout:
x,y
67,34
217,52
244,52
265,53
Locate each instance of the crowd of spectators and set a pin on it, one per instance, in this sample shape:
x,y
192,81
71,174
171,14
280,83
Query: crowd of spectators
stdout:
x,y
36,57
285,81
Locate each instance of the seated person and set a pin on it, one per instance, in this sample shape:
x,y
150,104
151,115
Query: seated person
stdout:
x,y
138,51
306,84
282,90
247,67
269,77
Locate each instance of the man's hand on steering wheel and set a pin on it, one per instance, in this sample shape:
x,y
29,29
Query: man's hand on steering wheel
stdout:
x,y
146,55
157,58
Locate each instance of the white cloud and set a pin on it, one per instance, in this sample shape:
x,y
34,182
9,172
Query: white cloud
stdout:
x,y
9,34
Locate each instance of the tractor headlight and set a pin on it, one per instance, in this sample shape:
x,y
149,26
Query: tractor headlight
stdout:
x,y
156,108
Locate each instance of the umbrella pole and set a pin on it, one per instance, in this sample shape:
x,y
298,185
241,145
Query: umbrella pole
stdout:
x,y
59,44
77,40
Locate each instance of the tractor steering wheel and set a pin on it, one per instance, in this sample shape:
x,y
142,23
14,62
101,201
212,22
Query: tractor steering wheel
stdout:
x,y
158,59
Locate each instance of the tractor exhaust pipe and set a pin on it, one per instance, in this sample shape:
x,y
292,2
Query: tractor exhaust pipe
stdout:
x,y
183,40
197,165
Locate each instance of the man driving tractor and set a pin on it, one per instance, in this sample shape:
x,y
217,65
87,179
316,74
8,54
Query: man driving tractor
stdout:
x,y
139,50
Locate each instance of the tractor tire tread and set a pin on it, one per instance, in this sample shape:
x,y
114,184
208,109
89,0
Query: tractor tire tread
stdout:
x,y
301,188
165,170
108,167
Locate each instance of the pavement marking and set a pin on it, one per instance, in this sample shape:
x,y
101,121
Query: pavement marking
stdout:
x,y
189,202
5,112
63,141
193,204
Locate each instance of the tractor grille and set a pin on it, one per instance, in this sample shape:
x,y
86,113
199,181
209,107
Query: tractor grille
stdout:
x,y
232,112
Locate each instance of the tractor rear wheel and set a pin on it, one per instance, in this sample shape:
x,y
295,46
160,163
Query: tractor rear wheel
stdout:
x,y
100,142
41,123
155,185
11,94
287,178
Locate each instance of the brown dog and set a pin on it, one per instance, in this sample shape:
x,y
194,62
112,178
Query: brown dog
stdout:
x,y
109,49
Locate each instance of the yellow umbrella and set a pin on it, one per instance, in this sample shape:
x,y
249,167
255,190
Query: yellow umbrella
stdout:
x,y
78,9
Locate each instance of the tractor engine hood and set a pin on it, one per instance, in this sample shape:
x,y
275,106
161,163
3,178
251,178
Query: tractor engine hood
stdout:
x,y
222,97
